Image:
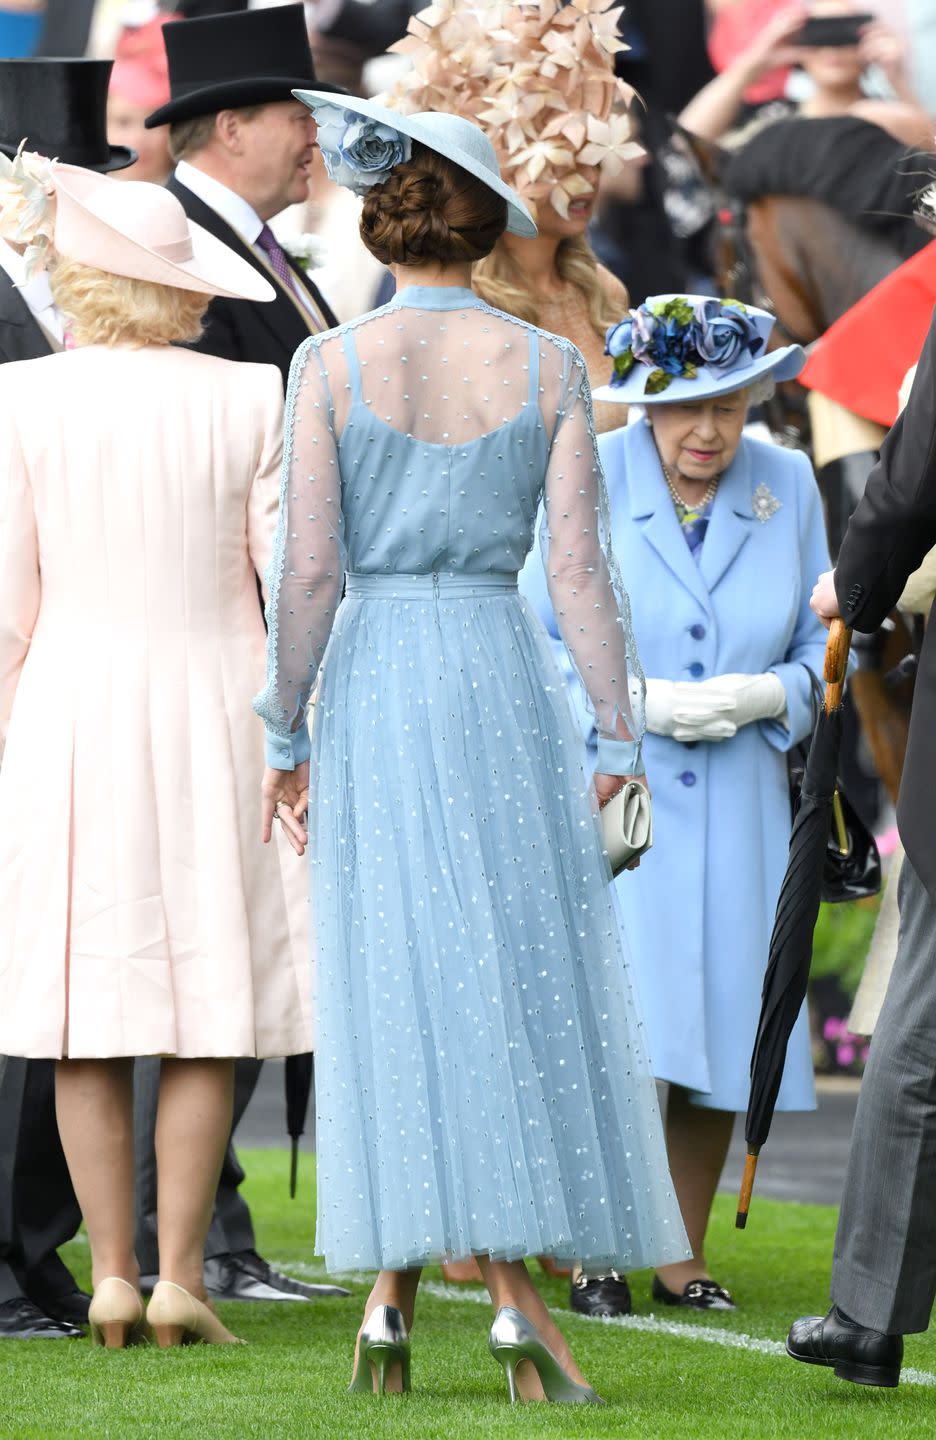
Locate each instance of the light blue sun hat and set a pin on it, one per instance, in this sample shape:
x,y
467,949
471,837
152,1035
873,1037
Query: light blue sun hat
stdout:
x,y
678,348
361,141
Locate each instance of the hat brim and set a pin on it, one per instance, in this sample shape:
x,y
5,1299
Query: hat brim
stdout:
x,y
231,95
519,219
213,269
783,364
118,159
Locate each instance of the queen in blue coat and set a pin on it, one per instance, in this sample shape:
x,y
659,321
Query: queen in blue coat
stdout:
x,y
720,537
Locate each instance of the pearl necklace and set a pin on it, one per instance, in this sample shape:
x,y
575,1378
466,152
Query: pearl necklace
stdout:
x,y
678,500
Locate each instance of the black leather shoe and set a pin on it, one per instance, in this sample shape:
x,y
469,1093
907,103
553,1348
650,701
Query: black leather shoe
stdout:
x,y
245,1276
698,1295
20,1319
604,1295
867,1357
262,1270
71,1308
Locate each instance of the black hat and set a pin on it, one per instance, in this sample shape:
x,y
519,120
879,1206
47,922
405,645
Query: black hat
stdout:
x,y
222,62
59,107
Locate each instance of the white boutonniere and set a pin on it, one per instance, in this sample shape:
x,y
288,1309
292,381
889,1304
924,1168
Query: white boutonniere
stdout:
x,y
308,251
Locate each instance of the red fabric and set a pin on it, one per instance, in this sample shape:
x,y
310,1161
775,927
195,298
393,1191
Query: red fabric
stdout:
x,y
733,29
861,361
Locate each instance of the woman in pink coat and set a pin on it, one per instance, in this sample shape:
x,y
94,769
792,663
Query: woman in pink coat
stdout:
x,y
139,915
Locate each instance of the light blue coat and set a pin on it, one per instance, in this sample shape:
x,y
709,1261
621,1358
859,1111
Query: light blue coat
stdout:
x,y
699,911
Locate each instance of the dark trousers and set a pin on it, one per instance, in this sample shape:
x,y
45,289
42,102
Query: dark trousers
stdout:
x,y
38,1209
884,1274
231,1225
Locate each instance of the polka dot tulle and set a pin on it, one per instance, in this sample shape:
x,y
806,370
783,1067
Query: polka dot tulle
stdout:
x,y
481,1079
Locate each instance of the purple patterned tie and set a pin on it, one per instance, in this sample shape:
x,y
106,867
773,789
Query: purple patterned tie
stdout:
x,y
276,255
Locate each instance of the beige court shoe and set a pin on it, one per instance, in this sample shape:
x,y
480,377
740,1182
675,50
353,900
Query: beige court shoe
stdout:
x,y
177,1318
116,1315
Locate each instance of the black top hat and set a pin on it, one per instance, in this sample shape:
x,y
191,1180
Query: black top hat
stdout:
x,y
222,62
59,107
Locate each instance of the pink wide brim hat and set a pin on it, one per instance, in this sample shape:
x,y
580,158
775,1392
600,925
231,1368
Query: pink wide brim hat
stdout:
x,y
137,229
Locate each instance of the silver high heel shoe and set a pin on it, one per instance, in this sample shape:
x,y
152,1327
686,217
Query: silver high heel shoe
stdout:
x,y
513,1340
383,1343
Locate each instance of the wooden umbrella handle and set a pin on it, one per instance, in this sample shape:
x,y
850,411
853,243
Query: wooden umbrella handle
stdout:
x,y
836,664
747,1188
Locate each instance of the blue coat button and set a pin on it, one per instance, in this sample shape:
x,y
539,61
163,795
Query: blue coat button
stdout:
x,y
697,632
696,669
688,777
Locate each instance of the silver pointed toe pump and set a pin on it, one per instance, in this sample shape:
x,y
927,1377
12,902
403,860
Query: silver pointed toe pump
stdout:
x,y
384,1344
514,1340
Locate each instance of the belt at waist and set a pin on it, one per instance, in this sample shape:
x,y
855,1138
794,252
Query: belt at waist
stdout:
x,y
429,587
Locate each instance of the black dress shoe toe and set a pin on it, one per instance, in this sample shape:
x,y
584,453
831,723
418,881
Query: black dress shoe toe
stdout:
x,y
866,1357
70,1308
698,1295
261,1269
604,1295
246,1276
20,1319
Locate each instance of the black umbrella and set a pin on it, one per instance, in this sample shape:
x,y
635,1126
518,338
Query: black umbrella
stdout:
x,y
299,1071
797,912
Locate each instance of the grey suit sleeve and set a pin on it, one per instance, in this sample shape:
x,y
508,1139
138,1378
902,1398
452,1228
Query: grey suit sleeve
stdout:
x,y
894,525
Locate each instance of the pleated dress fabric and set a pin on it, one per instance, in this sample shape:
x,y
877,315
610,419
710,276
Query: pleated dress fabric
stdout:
x,y
139,912
481,1079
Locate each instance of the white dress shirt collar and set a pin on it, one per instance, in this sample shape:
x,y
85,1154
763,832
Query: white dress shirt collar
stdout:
x,y
36,293
232,207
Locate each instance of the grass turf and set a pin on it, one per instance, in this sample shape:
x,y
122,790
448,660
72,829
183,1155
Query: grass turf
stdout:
x,y
291,1380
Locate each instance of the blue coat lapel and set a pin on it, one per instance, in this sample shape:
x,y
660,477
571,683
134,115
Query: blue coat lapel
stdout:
x,y
653,510
732,519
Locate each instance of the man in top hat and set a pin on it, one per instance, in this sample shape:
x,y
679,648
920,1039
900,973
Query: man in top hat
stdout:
x,y
58,107
243,147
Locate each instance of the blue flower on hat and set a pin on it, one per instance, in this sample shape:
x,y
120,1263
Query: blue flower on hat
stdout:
x,y
725,337
359,153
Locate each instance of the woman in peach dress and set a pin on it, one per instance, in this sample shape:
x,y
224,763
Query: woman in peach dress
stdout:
x,y
139,484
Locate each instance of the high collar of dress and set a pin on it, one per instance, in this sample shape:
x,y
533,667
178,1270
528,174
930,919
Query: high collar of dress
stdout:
x,y
436,297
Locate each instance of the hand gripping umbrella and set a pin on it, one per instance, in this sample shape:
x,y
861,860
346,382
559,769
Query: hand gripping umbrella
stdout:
x,y
298,1088
797,912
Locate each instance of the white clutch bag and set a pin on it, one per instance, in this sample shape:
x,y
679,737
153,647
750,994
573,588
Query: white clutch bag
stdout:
x,y
627,825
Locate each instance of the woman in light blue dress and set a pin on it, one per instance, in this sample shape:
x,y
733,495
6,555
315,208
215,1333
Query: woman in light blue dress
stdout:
x,y
482,1085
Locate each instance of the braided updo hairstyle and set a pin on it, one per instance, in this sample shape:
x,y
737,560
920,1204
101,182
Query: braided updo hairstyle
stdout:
x,y
430,209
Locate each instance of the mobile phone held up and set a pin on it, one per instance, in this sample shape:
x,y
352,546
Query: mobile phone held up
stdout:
x,y
832,32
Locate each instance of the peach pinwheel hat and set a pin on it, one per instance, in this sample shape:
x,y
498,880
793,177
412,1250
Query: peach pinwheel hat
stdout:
x,y
537,75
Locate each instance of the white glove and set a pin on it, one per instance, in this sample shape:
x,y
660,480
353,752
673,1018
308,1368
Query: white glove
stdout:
x,y
687,711
716,709
704,711
659,710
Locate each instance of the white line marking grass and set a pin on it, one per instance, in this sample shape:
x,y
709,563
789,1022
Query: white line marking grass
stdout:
x,y
642,1324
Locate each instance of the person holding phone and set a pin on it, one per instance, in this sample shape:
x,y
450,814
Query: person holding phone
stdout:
x,y
834,42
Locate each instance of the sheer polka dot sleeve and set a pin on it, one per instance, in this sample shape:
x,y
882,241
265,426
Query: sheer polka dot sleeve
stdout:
x,y
585,587
306,572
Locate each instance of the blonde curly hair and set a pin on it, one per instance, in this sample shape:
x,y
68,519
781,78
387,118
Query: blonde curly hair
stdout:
x,y
499,280
105,309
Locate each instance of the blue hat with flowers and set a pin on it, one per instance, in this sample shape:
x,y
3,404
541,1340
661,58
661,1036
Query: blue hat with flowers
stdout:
x,y
361,141
678,348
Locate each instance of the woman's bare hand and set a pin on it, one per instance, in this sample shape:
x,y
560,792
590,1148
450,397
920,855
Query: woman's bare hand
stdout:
x,y
285,796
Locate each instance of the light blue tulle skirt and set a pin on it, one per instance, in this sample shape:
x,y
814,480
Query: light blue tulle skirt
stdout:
x,y
481,1080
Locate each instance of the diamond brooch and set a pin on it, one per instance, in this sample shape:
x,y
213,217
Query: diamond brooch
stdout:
x,y
764,503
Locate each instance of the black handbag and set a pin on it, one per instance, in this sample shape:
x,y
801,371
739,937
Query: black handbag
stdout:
x,y
852,868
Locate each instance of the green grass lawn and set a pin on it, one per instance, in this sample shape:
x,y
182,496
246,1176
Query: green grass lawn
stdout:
x,y
291,1380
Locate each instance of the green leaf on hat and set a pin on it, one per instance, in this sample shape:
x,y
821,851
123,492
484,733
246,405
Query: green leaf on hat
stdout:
x,y
657,382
